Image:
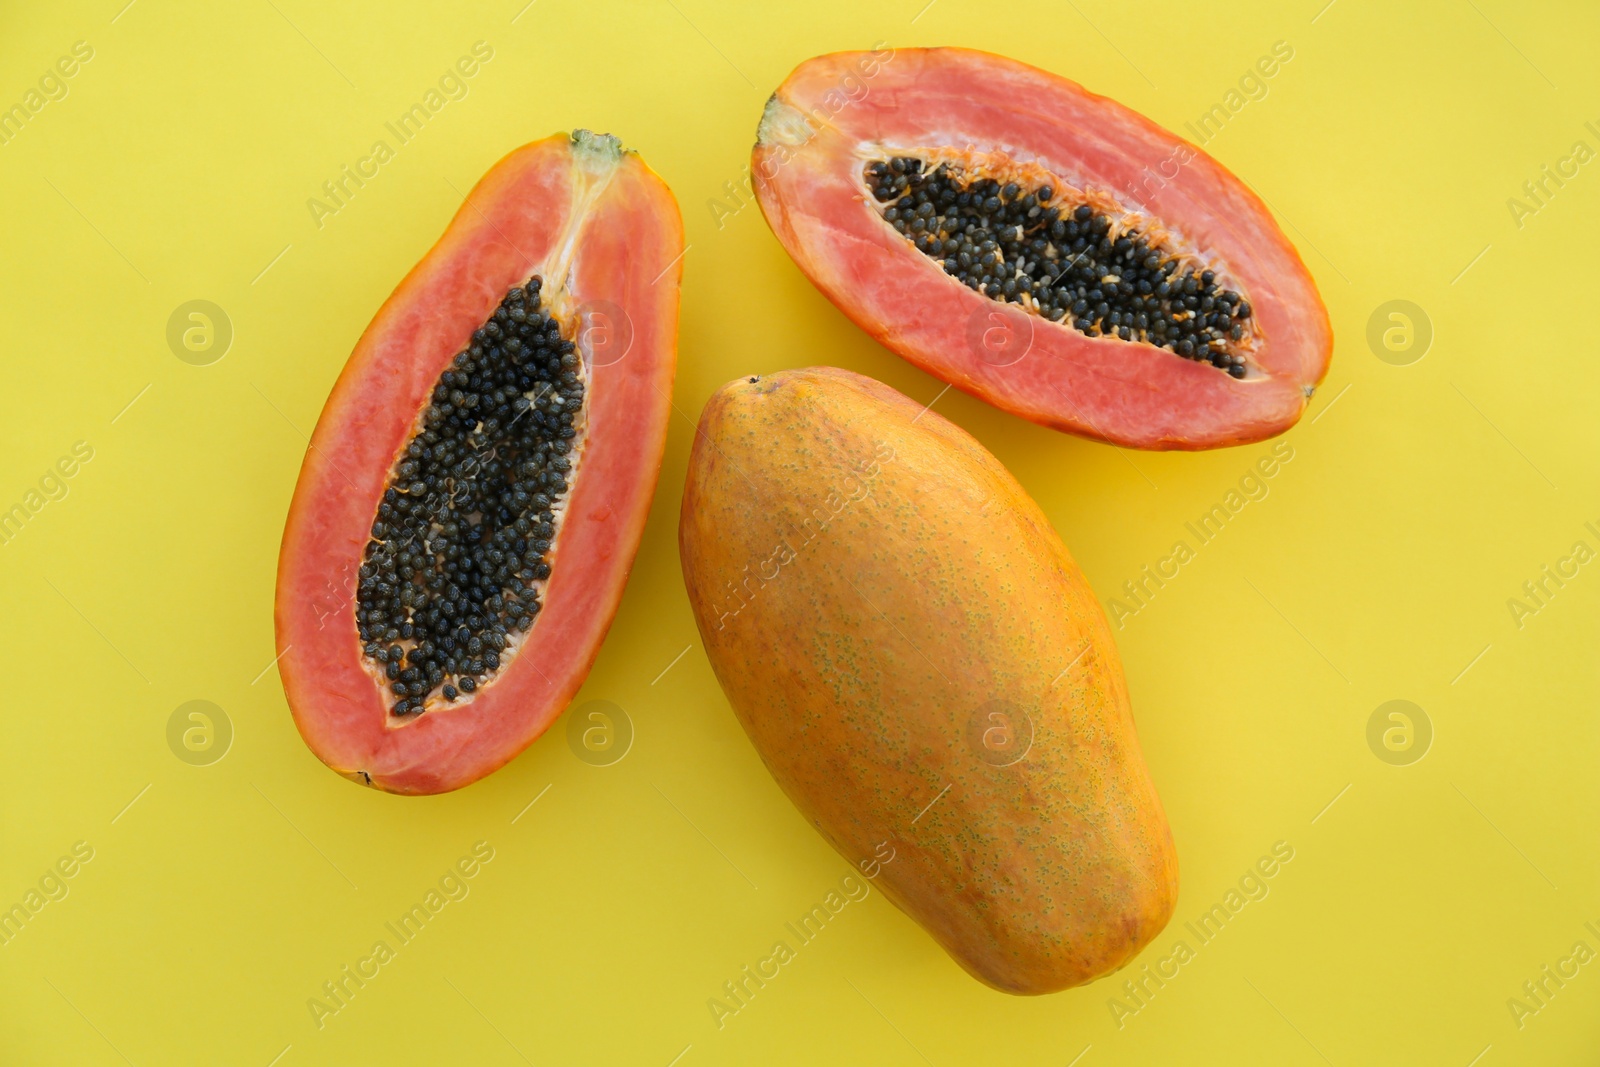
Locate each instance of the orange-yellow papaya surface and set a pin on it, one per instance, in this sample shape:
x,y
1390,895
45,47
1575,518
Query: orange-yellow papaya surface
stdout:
x,y
920,662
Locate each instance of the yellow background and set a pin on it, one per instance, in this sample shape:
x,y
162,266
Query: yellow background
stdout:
x,y
1419,499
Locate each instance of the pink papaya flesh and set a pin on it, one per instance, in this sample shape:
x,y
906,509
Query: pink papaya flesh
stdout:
x,y
1047,250
477,485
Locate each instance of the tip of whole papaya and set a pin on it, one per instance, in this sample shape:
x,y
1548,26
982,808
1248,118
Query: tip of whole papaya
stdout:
x,y
757,384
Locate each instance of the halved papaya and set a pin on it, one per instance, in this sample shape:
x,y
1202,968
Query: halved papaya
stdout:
x,y
477,485
1045,249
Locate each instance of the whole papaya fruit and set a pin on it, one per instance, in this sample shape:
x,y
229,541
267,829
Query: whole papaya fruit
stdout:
x,y
920,663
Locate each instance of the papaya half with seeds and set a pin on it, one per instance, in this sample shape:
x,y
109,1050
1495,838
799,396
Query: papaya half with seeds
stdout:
x,y
1045,249
477,485
919,661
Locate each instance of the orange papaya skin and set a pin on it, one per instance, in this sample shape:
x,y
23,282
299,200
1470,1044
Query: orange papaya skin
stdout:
x,y
873,588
